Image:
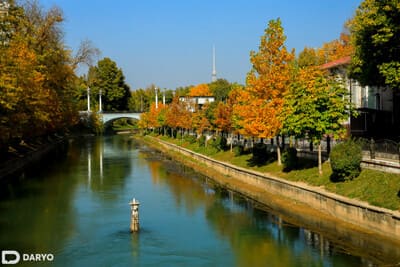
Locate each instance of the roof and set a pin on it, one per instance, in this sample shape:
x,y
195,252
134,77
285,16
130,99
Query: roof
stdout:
x,y
339,62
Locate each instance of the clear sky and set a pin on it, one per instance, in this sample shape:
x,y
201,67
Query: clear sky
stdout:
x,y
169,42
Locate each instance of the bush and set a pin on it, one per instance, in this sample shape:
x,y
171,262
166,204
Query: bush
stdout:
x,y
261,155
346,160
219,143
202,140
289,159
238,150
190,139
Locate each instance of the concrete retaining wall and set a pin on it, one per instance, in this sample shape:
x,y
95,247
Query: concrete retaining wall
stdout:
x,y
370,218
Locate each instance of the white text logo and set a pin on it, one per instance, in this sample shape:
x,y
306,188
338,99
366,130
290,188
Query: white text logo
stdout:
x,y
13,257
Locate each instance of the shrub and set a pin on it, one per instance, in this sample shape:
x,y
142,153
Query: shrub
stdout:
x,y
219,143
346,160
289,159
190,138
238,150
261,155
202,140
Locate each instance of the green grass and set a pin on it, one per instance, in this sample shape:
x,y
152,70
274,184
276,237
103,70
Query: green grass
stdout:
x,y
375,187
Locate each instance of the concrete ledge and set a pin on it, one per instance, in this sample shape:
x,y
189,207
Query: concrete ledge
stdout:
x,y
371,218
381,165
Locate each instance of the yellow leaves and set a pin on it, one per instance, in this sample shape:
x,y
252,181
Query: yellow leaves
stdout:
x,y
33,77
260,103
200,90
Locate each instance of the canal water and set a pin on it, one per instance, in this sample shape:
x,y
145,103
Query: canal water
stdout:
x,y
76,208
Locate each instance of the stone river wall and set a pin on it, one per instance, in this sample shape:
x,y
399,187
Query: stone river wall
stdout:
x,y
370,218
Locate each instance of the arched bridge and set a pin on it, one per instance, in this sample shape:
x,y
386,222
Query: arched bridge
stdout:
x,y
111,116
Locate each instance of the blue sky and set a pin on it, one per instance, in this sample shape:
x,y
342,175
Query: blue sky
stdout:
x,y
169,42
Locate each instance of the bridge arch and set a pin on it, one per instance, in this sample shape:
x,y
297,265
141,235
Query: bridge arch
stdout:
x,y
108,117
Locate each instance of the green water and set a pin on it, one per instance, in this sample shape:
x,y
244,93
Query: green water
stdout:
x,y
76,208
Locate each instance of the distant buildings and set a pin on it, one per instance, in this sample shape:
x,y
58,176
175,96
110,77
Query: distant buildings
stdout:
x,y
196,102
378,107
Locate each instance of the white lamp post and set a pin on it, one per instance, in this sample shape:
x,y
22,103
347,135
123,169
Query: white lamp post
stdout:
x,y
88,99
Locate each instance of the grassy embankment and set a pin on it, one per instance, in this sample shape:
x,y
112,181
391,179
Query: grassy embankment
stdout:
x,y
375,187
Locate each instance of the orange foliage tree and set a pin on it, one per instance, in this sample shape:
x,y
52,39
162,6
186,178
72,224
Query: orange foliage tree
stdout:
x,y
336,49
262,99
200,90
200,122
178,115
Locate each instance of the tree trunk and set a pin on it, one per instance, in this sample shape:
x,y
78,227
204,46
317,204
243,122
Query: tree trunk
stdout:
x,y
278,151
231,142
319,159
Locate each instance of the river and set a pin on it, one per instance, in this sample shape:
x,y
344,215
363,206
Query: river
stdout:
x,y
75,207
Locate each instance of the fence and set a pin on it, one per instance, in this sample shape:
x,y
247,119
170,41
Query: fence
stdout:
x,y
384,149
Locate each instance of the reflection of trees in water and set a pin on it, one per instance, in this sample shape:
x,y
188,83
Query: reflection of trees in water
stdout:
x,y
251,238
38,216
184,184
258,238
261,238
108,163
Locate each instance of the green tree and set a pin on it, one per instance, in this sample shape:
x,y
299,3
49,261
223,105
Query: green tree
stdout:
x,y
220,89
315,106
376,36
108,78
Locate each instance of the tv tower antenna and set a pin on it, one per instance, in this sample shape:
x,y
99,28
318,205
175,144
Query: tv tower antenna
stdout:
x,y
214,71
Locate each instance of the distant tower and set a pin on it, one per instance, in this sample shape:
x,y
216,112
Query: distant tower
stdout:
x,y
214,72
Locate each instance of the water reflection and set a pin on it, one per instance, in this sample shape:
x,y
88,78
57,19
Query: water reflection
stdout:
x,y
77,208
260,238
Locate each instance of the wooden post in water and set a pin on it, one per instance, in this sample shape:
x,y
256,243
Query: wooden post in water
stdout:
x,y
134,215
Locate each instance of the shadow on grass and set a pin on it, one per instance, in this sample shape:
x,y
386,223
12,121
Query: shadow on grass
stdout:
x,y
301,164
345,176
257,161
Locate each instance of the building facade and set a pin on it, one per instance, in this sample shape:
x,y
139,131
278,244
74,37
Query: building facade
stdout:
x,y
196,102
376,106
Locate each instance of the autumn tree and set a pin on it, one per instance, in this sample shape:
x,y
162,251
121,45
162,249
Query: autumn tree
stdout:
x,y
200,120
336,49
178,116
37,80
200,90
266,84
308,57
315,106
376,36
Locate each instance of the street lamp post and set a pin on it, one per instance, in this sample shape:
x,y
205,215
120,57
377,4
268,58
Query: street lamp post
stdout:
x,y
88,99
100,107
155,88
163,97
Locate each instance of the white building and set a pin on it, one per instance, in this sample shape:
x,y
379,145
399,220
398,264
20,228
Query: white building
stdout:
x,y
196,102
374,104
